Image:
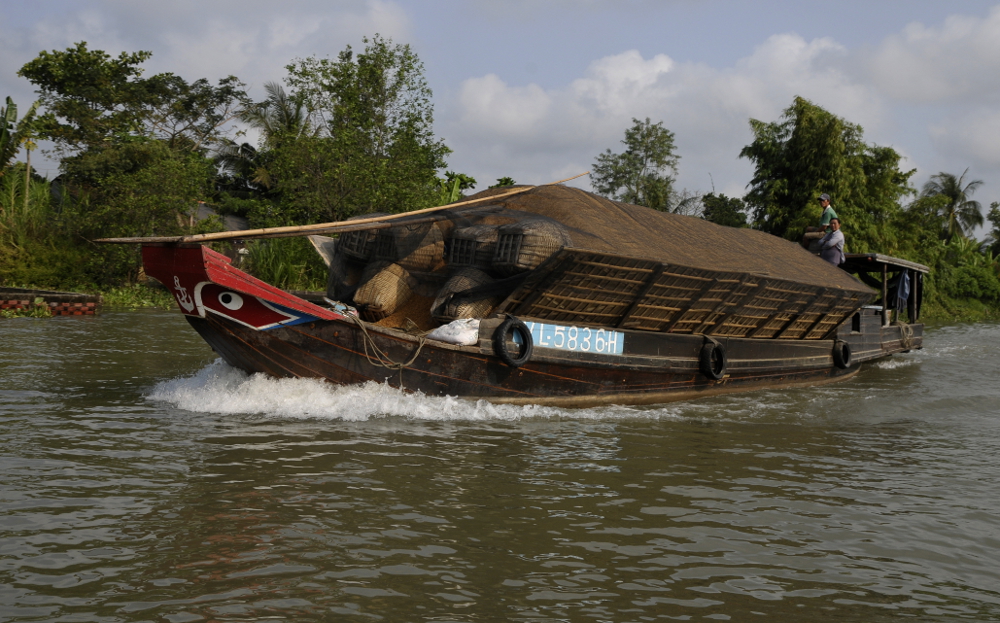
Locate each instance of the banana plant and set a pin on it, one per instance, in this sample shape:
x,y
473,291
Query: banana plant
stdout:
x,y
14,134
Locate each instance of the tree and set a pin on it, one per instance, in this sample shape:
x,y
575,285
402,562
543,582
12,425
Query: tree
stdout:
x,y
504,181
14,134
644,173
133,148
375,149
246,170
811,152
959,213
723,210
450,188
91,98
992,241
157,193
278,116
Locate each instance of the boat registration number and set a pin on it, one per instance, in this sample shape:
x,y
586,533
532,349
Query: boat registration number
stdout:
x,y
576,339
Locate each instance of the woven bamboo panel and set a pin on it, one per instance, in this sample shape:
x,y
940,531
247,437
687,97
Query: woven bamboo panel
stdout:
x,y
360,244
473,246
414,247
607,290
526,244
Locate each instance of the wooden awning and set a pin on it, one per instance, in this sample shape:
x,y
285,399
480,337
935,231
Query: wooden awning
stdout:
x,y
874,262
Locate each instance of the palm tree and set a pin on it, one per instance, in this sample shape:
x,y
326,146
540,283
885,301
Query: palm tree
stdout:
x,y
961,214
279,115
278,118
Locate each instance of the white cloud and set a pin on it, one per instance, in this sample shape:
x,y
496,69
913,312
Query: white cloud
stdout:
x,y
971,138
954,62
927,90
615,82
532,133
491,107
250,39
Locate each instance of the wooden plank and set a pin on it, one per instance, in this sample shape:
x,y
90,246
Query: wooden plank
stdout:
x,y
808,309
885,295
562,264
747,298
707,288
650,282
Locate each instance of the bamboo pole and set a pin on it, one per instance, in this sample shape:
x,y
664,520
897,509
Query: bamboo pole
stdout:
x,y
336,226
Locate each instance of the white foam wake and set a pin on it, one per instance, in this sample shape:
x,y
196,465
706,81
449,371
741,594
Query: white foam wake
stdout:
x,y
220,388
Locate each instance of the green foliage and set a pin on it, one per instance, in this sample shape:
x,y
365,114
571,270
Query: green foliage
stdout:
x,y
91,98
14,134
88,95
644,173
450,189
248,171
24,206
37,309
137,295
46,262
504,181
375,149
723,210
287,263
32,249
811,152
992,242
135,189
968,282
958,213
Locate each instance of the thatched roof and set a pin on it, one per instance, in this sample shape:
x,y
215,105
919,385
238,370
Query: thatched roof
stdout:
x,y
599,224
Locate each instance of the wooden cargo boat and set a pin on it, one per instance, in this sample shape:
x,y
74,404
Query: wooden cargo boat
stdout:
x,y
628,306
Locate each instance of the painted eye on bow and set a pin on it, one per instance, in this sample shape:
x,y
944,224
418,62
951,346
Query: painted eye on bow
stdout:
x,y
231,300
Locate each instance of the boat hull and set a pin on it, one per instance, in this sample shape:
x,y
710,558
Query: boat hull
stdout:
x,y
339,352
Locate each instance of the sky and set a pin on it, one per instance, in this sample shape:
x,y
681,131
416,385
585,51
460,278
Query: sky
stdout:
x,y
536,89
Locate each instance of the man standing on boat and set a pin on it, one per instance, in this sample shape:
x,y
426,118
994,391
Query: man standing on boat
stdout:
x,y
832,244
813,235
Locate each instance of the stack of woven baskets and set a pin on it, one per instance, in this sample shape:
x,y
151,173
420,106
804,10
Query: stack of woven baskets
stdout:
x,y
378,270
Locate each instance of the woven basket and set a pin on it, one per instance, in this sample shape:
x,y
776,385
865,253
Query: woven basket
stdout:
x,y
524,245
473,246
359,244
446,310
384,288
414,247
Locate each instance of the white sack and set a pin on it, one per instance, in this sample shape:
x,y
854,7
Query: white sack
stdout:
x,y
464,332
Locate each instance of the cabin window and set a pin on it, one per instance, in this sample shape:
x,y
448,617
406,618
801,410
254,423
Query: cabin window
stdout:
x,y
856,323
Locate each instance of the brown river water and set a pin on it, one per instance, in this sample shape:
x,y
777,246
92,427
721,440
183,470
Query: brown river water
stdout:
x,y
143,480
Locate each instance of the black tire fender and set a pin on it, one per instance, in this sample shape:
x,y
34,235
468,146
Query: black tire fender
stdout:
x,y
842,354
713,361
500,345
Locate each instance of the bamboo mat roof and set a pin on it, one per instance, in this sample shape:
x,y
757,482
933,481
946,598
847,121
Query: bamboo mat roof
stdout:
x,y
598,224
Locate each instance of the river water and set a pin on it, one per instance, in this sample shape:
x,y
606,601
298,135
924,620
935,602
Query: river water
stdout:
x,y
142,480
